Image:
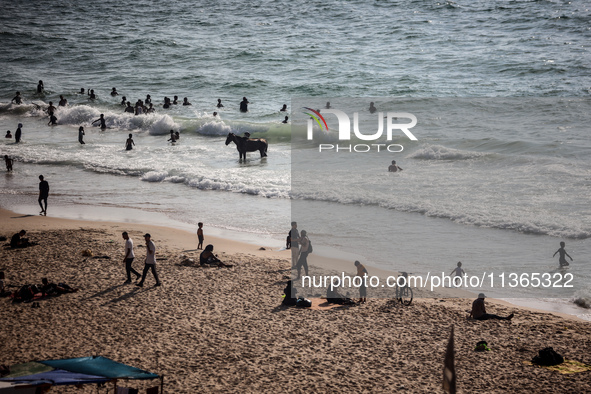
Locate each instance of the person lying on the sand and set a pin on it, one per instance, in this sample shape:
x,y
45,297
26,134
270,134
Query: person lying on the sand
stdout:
x,y
334,297
479,311
49,289
17,240
208,258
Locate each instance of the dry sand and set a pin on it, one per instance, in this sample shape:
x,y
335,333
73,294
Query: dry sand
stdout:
x,y
223,330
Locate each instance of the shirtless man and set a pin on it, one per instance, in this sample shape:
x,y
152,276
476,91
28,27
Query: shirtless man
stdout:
x,y
393,167
43,194
17,99
562,253
102,120
63,102
220,105
479,311
129,144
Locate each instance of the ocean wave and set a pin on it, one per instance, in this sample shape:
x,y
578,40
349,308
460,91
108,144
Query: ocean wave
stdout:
x,y
439,152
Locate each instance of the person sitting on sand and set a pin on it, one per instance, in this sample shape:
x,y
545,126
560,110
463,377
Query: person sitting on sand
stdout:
x,y
220,105
479,311
393,167
102,120
51,289
17,240
18,133
8,134
8,161
562,253
290,292
186,101
17,99
208,258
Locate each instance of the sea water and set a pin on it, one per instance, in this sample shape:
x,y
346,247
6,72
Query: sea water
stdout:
x,y
475,192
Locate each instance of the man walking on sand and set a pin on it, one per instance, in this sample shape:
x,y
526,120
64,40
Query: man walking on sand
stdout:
x,y
294,236
128,259
43,194
150,262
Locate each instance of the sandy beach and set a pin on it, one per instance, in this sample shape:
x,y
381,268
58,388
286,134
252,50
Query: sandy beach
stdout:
x,y
224,330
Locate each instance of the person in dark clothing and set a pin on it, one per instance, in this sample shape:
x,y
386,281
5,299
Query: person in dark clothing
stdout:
x,y
208,258
43,194
290,292
17,240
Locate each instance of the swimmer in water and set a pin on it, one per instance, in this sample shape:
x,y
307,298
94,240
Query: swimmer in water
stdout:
x,y
393,167
166,103
52,120
284,108
102,120
150,109
114,92
51,109
172,136
562,253
8,134
129,144
286,120
40,87
176,100
148,99
91,95
17,99
8,161
81,135
186,101
81,91
327,105
63,102
177,135
123,100
220,105
372,109
244,105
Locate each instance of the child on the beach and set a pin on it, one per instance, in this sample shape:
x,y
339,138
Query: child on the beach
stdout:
x,y
562,253
200,235
459,272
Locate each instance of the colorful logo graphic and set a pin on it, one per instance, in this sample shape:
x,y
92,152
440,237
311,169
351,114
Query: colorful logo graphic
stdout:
x,y
315,115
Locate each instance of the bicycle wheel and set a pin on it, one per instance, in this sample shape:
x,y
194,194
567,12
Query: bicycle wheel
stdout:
x,y
405,295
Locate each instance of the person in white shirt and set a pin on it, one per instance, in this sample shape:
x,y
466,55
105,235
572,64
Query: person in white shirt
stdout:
x,y
128,259
150,262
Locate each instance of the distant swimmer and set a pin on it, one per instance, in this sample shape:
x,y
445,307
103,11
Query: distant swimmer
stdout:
x,y
114,92
129,108
91,95
43,194
372,109
327,105
393,167
129,144
81,91
148,99
186,101
286,120
102,120
40,87
18,133
8,134
139,108
172,136
176,100
166,103
244,105
8,161
284,108
52,120
215,114
150,109
81,135
17,99
177,135
63,102
123,100
51,109
562,253
220,105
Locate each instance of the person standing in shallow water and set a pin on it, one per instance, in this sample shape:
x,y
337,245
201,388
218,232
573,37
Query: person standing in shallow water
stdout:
x,y
562,254
18,133
81,135
129,144
102,120
244,105
43,194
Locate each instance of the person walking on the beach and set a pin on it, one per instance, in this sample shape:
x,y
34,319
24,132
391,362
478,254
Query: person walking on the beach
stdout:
x,y
81,135
479,311
102,120
43,194
18,133
562,253
362,273
129,256
200,235
294,237
458,272
8,161
303,259
129,144
150,263
393,167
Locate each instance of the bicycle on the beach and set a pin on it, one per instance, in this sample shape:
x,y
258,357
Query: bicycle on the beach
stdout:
x,y
404,293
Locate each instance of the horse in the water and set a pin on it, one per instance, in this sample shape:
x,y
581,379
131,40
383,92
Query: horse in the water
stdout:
x,y
244,144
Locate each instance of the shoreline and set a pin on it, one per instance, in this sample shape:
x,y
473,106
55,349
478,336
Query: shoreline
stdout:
x,y
181,238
